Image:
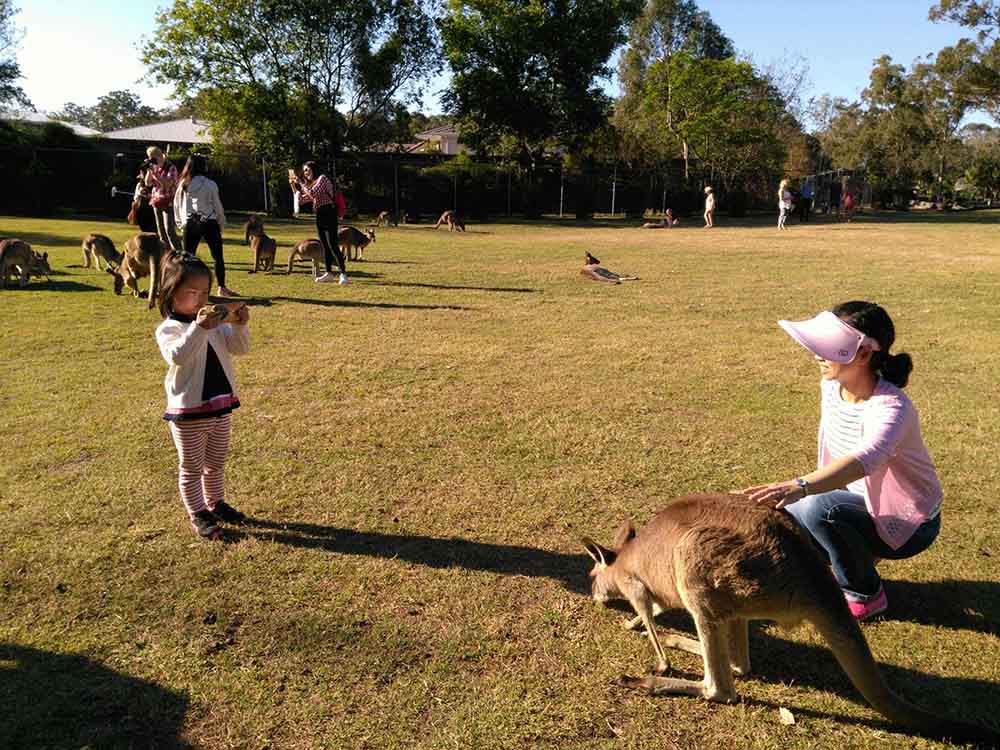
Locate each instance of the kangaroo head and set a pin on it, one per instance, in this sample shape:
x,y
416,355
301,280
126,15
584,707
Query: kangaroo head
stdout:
x,y
119,279
603,579
371,234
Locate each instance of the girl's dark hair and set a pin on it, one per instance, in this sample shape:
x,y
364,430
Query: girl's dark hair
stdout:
x,y
177,268
195,165
314,167
872,320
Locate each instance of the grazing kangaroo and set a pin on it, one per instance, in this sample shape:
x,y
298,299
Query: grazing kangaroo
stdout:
x,y
452,219
351,239
307,250
252,228
726,561
264,251
141,258
98,246
385,218
18,259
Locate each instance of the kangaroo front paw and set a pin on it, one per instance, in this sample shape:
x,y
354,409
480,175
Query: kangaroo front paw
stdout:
x,y
661,668
634,624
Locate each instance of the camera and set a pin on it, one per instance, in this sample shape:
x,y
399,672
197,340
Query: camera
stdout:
x,y
148,164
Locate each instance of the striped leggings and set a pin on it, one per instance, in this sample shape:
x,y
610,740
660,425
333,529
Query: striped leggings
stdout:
x,y
202,447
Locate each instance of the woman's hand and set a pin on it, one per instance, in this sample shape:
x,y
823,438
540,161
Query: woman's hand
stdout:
x,y
776,494
243,316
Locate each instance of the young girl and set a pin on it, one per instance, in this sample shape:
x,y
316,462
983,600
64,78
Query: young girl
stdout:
x,y
320,191
201,387
784,203
875,493
199,213
709,207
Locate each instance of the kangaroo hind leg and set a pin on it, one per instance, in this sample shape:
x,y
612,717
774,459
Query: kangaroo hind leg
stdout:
x,y
739,646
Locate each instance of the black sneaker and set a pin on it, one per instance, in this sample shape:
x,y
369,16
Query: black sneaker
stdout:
x,y
205,525
227,513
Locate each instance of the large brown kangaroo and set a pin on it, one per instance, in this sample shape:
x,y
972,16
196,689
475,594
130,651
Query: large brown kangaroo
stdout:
x,y
727,560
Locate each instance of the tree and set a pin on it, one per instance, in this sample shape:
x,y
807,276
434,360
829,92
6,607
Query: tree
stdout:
x,y
10,72
523,71
730,116
664,28
972,65
294,78
113,111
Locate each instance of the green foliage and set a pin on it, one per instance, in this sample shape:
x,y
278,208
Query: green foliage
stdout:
x,y
728,114
294,79
523,73
113,111
10,72
973,66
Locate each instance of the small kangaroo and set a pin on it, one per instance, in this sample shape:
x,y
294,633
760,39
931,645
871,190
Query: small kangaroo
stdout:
x,y
252,228
386,218
352,239
727,561
264,251
18,259
453,220
141,258
307,250
98,246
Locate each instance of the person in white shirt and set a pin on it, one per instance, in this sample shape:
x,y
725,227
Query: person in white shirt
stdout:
x,y
784,203
709,207
199,213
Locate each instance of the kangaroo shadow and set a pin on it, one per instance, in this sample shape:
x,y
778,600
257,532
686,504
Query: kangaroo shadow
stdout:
x,y
56,286
45,239
356,303
66,700
434,552
458,287
959,605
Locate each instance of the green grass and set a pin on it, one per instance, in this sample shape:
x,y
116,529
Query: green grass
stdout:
x,y
426,446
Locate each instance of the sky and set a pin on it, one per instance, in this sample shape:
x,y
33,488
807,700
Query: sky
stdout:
x,y
75,52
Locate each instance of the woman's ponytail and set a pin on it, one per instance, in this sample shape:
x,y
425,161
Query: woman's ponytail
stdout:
x,y
895,368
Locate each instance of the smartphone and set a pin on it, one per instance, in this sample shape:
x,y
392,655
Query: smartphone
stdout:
x,y
292,175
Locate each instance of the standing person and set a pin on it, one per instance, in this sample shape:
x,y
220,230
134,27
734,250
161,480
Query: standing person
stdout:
x,y
201,388
875,493
199,213
806,201
709,207
141,213
784,203
319,190
848,205
834,205
161,177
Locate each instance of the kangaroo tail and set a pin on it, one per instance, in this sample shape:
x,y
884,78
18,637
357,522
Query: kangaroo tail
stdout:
x,y
842,632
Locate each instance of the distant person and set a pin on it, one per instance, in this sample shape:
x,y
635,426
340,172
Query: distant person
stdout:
x,y
666,223
835,194
199,213
784,203
806,201
319,190
848,205
709,207
141,214
162,178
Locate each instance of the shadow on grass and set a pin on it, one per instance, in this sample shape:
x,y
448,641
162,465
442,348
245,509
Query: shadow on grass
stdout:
x,y
434,552
49,240
55,286
53,700
959,605
458,287
375,305
778,661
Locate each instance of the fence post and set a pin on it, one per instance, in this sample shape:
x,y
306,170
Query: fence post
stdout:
x,y
263,169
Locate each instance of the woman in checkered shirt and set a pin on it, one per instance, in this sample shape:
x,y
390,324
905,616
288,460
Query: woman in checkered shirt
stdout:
x,y
319,190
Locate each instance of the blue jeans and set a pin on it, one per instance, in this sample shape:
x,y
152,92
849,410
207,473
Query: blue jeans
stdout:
x,y
840,525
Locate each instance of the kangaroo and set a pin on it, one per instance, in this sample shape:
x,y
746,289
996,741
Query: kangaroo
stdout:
x,y
307,250
727,561
141,258
98,246
452,219
350,239
386,218
264,251
18,259
253,227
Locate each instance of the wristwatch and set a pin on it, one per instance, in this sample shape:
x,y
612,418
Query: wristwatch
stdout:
x,y
804,485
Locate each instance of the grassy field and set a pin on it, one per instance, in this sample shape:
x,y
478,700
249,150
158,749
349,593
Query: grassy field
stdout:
x,y
422,450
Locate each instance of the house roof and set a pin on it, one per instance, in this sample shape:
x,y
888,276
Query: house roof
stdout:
x,y
438,131
186,130
39,118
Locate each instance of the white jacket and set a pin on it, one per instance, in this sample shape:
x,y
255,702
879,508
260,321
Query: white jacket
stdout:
x,y
201,197
185,348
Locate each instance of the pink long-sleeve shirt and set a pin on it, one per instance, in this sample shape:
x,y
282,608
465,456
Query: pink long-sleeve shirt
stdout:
x,y
900,486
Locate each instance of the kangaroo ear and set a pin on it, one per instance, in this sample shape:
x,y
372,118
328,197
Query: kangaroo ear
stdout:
x,y
625,532
598,553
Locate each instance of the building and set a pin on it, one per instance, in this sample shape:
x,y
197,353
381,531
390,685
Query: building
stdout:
x,y
440,140
40,119
184,132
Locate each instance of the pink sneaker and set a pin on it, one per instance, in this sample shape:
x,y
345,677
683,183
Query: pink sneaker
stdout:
x,y
870,608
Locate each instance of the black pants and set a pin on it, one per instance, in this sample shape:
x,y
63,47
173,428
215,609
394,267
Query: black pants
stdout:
x,y
326,225
194,230
805,204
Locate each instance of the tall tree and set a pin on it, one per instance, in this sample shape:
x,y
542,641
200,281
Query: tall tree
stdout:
x,y
295,77
524,71
10,71
972,64
113,111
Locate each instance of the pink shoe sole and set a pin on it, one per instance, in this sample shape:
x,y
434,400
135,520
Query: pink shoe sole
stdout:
x,y
870,608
